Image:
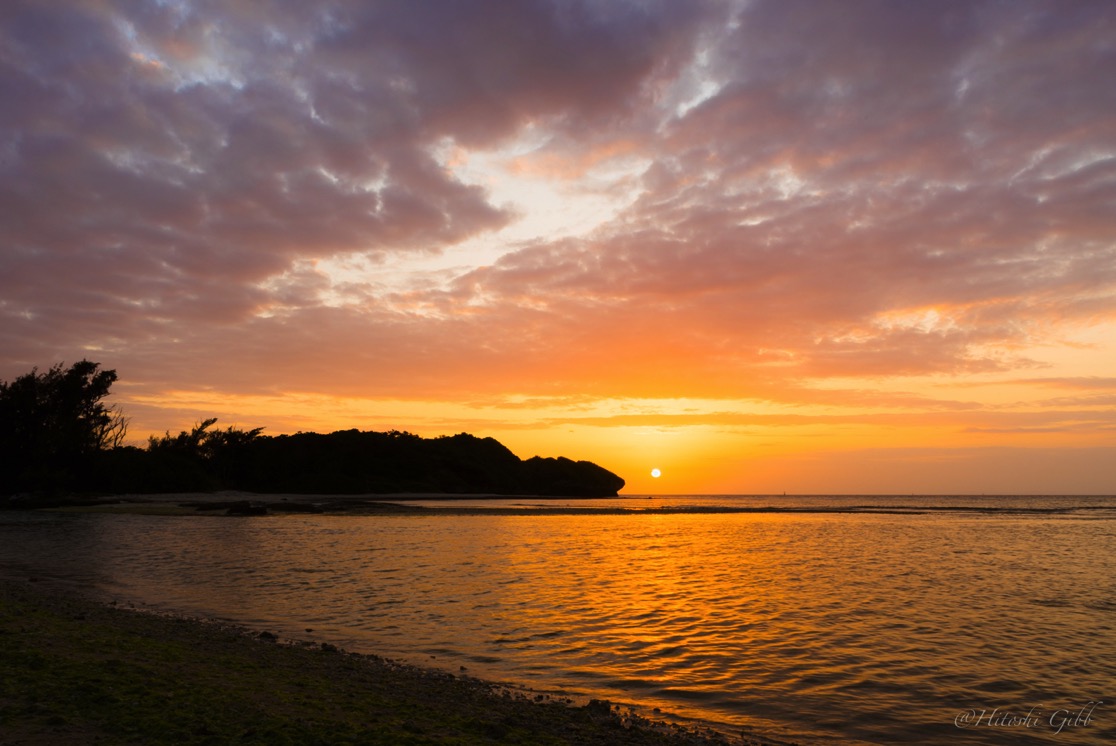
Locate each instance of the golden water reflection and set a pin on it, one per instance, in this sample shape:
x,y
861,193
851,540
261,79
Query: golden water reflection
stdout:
x,y
863,626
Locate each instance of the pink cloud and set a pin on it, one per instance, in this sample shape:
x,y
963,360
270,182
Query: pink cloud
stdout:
x,y
855,162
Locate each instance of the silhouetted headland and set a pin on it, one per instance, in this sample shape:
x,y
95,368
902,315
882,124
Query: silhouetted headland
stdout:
x,y
58,438
352,462
342,463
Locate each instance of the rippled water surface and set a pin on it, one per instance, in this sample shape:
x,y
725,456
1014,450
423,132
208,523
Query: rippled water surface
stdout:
x,y
842,627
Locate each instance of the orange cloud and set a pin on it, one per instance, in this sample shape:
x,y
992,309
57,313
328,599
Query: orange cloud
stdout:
x,y
566,166
877,230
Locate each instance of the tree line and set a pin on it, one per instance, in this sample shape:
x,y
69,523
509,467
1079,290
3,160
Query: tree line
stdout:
x,y
59,436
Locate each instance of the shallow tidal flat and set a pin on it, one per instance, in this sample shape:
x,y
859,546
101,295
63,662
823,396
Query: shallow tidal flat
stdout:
x,y
820,620
75,671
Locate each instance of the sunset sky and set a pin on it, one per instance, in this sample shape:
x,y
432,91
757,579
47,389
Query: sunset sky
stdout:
x,y
813,247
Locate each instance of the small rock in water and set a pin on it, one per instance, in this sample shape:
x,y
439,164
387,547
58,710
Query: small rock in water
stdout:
x,y
268,636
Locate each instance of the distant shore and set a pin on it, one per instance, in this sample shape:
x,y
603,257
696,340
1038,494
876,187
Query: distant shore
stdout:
x,y
397,504
247,504
237,503
74,671
233,502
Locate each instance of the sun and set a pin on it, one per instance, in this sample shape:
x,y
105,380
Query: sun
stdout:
x,y
656,473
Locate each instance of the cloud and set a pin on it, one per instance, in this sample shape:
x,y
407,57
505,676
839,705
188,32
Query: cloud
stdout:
x,y
172,157
866,189
1086,382
875,189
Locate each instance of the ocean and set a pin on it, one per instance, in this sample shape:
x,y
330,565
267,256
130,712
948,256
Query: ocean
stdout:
x,y
823,619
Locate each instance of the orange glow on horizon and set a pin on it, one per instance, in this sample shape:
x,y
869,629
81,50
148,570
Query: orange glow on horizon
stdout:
x,y
993,434
653,235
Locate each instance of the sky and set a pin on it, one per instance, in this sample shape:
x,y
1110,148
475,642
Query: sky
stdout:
x,y
763,247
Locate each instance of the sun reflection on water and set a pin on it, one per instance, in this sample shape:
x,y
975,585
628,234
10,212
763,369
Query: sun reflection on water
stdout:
x,y
868,626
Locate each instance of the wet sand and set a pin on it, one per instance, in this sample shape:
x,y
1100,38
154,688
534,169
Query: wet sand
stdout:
x,y
73,671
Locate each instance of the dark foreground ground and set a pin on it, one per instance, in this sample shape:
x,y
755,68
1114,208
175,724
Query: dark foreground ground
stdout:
x,y
74,671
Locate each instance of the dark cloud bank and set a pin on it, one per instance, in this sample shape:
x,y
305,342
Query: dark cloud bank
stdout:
x,y
855,188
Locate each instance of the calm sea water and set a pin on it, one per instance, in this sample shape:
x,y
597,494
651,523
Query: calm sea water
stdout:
x,y
998,614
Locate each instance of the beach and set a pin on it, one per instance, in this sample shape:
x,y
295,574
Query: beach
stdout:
x,y
768,619
77,671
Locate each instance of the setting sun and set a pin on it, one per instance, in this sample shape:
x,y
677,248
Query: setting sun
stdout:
x,y
361,321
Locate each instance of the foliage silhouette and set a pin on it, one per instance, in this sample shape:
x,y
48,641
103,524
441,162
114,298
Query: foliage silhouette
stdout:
x,y
58,435
54,424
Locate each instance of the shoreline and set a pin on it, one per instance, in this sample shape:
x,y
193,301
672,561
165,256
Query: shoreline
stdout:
x,y
76,670
239,504
430,504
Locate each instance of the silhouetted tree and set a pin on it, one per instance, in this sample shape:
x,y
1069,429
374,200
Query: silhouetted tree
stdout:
x,y
53,424
201,459
57,434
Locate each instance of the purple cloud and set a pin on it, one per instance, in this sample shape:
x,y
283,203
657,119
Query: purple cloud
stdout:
x,y
853,189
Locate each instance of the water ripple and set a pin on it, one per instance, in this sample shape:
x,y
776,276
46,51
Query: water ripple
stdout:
x,y
878,627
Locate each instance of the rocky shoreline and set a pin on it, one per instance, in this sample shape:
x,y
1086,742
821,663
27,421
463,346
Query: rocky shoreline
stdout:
x,y
76,671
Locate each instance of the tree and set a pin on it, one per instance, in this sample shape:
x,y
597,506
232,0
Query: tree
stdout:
x,y
53,424
201,459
